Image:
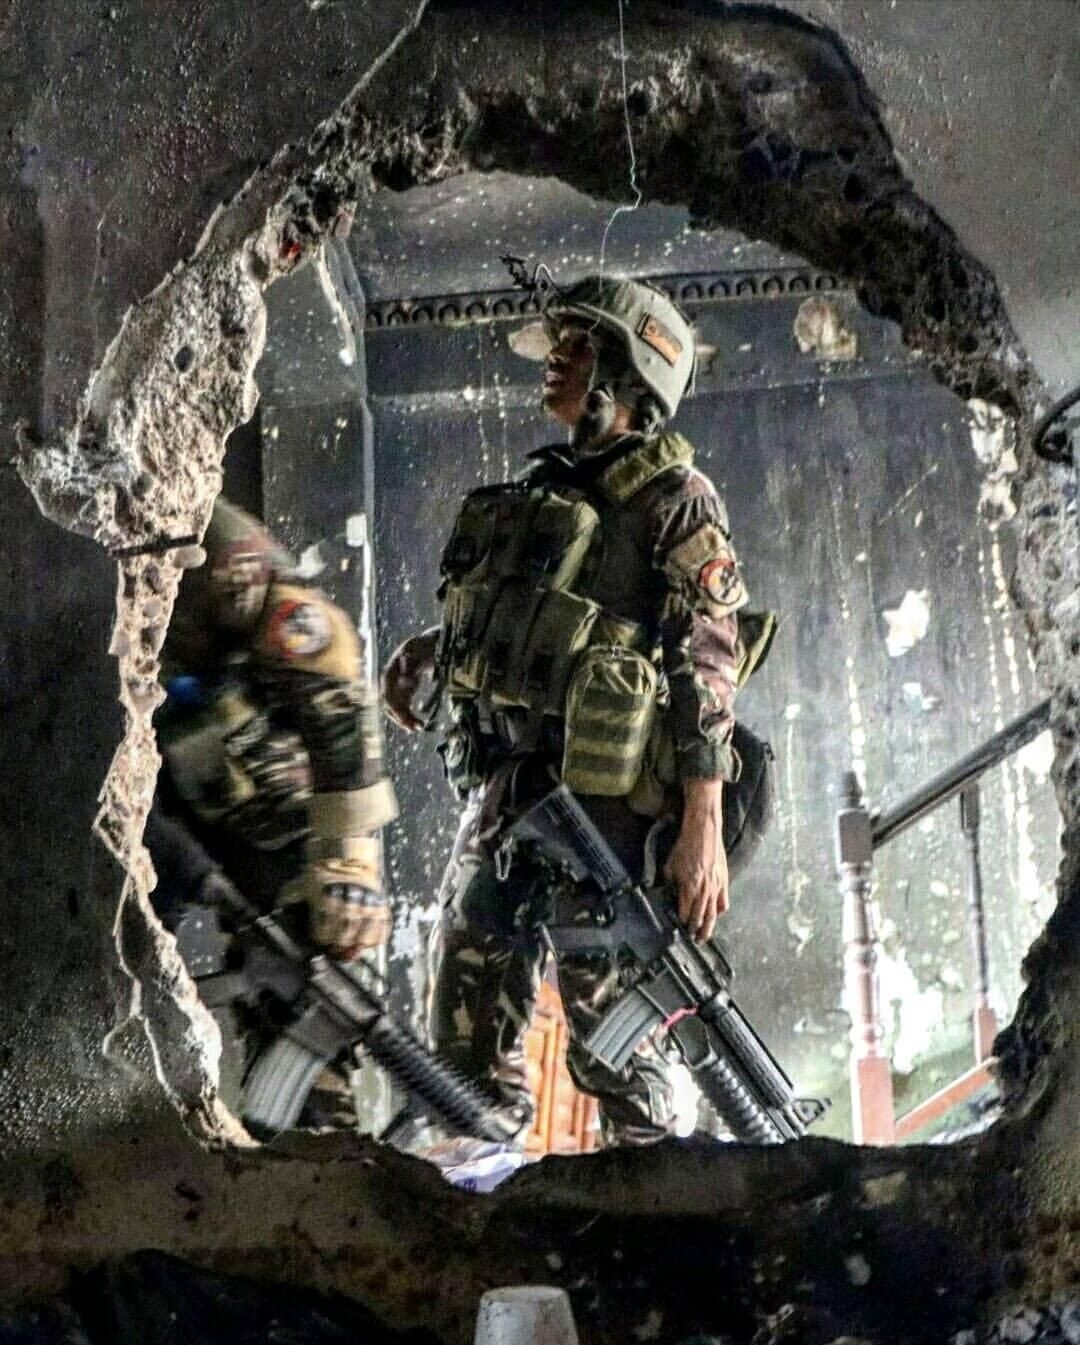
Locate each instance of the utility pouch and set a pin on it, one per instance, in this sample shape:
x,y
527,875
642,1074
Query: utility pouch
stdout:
x,y
609,712
466,610
462,759
535,638
510,550
749,800
561,529
466,557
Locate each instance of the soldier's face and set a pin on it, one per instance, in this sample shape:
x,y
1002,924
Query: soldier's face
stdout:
x,y
567,372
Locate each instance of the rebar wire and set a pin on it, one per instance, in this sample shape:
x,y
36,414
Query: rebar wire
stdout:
x,y
1061,455
623,209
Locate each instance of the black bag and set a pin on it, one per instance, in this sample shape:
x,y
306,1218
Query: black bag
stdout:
x,y
749,801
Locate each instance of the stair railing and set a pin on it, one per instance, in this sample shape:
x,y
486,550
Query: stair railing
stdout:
x,y
858,835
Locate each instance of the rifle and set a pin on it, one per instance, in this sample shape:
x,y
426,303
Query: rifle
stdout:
x,y
674,983
330,1007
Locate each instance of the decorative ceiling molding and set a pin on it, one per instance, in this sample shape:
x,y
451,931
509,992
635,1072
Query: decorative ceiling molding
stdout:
x,y
696,288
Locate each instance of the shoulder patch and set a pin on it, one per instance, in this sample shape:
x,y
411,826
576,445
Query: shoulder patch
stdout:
x,y
704,566
298,629
720,579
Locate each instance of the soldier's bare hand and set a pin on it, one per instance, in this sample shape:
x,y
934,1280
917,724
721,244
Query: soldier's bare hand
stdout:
x,y
697,865
410,662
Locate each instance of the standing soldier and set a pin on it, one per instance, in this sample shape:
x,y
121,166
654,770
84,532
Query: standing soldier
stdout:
x,y
272,743
589,634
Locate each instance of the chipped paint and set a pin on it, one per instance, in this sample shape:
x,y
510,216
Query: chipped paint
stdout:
x,y
858,1269
312,562
820,330
993,438
882,1191
908,623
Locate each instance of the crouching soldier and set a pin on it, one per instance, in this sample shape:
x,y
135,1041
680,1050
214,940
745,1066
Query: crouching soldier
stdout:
x,y
273,757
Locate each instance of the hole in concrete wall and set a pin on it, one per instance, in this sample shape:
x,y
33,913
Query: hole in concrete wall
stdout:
x,y
752,144
853,481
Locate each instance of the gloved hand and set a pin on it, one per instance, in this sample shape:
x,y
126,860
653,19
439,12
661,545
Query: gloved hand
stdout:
x,y
348,912
409,663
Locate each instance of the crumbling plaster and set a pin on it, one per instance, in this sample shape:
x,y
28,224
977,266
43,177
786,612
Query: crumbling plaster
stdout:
x,y
515,90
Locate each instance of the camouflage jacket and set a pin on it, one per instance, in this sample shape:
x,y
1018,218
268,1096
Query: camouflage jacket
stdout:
x,y
267,703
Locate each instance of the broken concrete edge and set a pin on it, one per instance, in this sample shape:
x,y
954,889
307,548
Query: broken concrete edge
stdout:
x,y
343,1215
144,456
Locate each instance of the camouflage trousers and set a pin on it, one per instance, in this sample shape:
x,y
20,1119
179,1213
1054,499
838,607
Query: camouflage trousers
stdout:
x,y
490,958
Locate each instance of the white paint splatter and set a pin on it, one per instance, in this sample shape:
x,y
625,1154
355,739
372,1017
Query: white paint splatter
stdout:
x,y
650,1327
312,563
993,437
858,1268
908,623
1038,757
347,350
913,1015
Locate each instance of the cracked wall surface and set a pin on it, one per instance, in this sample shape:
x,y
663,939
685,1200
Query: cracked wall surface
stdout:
x,y
756,123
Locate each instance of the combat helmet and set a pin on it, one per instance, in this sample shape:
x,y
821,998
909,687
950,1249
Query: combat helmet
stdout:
x,y
645,356
241,557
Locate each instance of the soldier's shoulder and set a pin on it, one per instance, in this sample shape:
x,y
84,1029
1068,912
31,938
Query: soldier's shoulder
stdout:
x,y
678,484
302,629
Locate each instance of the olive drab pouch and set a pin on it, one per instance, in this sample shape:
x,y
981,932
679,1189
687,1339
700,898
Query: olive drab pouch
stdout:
x,y
469,589
610,705
756,633
560,530
749,800
462,759
512,548
534,638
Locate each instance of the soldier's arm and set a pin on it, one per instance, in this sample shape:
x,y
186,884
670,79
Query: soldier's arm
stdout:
x,y
699,630
699,626
307,653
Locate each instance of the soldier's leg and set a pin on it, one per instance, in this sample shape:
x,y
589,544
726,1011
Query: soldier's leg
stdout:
x,y
637,1102
488,965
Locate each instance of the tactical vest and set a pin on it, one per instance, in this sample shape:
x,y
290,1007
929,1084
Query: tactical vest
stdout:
x,y
525,638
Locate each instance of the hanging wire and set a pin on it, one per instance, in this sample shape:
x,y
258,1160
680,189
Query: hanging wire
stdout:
x,y
1043,444
623,209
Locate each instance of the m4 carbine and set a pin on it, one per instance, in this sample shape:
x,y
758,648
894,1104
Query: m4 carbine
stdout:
x,y
673,983
330,1008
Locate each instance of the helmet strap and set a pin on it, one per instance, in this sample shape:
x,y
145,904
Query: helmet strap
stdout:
x,y
648,414
596,419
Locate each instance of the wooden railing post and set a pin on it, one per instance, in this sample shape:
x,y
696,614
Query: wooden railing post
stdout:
x,y
984,1020
873,1118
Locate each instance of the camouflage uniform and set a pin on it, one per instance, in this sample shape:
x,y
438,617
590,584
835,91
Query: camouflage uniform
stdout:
x,y
270,735
268,719
662,563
